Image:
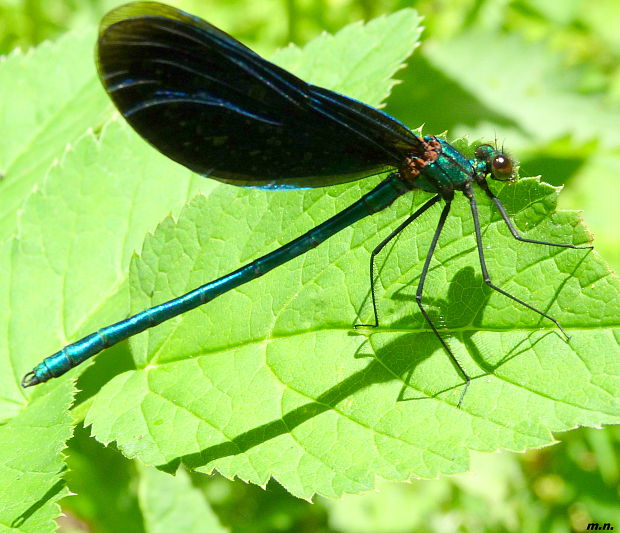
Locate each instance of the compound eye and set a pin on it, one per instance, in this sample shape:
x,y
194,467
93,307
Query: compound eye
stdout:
x,y
502,168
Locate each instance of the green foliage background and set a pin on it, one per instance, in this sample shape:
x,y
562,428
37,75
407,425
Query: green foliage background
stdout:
x,y
542,77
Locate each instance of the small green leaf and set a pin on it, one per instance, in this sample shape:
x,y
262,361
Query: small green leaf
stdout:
x,y
31,462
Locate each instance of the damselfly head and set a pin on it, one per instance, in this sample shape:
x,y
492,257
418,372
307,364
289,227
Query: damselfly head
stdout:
x,y
498,164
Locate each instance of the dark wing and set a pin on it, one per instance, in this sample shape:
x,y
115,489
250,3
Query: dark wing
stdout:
x,y
207,101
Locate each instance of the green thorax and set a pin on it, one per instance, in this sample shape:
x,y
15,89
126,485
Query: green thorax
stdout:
x,y
451,170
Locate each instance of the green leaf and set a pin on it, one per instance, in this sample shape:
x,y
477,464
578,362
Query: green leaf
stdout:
x,y
31,462
50,97
272,380
170,503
